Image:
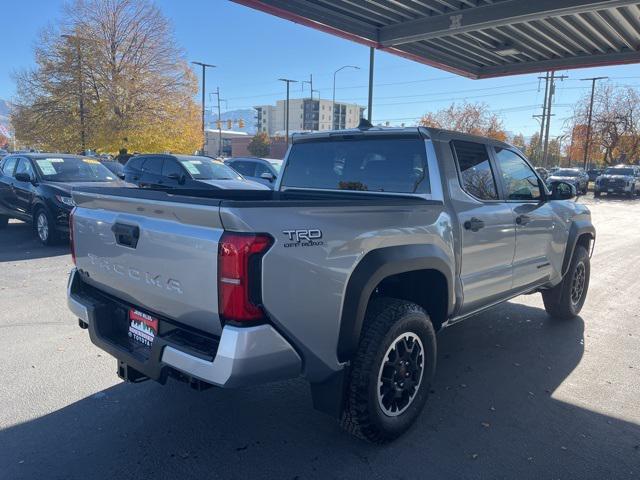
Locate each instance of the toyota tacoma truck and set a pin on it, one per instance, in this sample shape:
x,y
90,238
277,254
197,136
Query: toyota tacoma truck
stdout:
x,y
372,241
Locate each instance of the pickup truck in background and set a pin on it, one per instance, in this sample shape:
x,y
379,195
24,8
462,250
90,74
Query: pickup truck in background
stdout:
x,y
372,241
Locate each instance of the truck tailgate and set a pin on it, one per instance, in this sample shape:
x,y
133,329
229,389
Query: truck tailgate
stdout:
x,y
158,256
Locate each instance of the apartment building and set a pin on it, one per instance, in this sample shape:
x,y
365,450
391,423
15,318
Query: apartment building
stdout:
x,y
307,114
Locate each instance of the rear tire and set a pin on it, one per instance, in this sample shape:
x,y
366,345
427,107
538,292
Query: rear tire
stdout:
x,y
566,299
392,371
3,221
596,194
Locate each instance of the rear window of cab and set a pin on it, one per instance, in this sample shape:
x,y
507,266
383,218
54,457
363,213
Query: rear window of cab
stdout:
x,y
396,165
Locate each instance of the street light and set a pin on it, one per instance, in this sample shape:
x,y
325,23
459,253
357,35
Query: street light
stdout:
x,y
286,106
204,67
333,102
76,40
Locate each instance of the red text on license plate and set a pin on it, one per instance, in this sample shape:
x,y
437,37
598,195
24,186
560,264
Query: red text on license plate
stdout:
x,y
142,327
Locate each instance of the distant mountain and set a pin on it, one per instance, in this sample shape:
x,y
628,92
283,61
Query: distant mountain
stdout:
x,y
248,116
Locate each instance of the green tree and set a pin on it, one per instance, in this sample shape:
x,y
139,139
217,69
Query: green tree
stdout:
x,y
260,145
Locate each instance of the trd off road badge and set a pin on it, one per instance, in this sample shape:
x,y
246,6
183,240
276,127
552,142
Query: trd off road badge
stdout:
x,y
303,238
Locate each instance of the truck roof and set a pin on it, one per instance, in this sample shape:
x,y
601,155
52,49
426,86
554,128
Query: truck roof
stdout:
x,y
426,132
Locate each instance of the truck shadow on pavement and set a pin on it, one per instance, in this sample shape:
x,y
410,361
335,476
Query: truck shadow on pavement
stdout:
x,y
493,413
18,242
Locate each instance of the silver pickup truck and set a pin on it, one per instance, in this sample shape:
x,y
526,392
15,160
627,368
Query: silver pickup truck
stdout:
x,y
372,241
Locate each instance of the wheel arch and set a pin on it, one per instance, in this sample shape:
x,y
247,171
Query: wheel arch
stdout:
x,y
399,271
581,232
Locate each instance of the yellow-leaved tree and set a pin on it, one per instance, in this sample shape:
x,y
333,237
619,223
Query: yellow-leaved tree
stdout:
x,y
474,118
109,76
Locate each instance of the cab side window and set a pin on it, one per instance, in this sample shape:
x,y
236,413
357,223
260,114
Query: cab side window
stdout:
x,y
476,174
153,165
518,178
171,166
24,166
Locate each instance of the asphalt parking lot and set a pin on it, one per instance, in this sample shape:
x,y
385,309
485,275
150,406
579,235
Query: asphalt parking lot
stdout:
x,y
517,395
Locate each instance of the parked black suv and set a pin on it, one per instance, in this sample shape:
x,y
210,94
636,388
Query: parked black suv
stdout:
x,y
184,171
36,188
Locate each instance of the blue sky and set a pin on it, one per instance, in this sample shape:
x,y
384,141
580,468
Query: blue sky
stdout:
x,y
252,50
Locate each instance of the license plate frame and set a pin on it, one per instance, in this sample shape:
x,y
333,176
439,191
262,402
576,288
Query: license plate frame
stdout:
x,y
143,328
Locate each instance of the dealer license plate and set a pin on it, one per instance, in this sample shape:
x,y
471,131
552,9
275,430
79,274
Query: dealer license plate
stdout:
x,y
143,328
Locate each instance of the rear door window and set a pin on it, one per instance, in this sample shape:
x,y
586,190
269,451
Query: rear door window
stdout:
x,y
369,164
476,175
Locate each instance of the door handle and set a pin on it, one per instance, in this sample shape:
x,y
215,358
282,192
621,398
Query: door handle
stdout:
x,y
474,224
523,219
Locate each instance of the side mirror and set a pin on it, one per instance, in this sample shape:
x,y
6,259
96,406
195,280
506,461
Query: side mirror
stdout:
x,y
267,176
563,191
23,177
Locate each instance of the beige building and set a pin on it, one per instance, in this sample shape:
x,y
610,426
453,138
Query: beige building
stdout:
x,y
306,114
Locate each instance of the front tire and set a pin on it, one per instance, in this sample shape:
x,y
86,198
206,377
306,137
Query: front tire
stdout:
x,y
44,227
392,371
596,194
566,299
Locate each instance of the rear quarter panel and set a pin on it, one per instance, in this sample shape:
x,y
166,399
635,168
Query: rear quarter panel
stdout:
x,y
304,286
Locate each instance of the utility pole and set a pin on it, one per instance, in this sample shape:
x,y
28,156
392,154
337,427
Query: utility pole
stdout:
x,y
587,140
333,101
286,107
552,91
543,117
370,100
204,67
76,40
217,94
310,82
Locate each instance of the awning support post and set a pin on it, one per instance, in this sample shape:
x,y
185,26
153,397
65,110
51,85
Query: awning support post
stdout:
x,y
370,103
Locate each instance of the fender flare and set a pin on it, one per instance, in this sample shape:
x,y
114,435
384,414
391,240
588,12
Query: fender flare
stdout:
x,y
577,229
374,267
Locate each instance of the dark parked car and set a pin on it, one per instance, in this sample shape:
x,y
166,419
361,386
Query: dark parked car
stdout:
x,y
594,173
261,170
621,179
36,188
575,176
184,171
114,167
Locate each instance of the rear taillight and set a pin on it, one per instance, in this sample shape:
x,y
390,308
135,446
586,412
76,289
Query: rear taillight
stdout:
x,y
239,283
71,240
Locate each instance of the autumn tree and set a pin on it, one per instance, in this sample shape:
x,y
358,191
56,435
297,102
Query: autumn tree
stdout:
x,y
260,145
116,62
615,125
519,141
473,118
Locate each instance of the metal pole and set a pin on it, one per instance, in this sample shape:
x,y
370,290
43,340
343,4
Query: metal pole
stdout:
x,y
370,101
204,67
333,102
544,116
219,123
588,139
286,106
548,122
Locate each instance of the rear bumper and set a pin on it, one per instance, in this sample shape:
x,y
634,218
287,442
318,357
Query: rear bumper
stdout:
x,y
241,356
